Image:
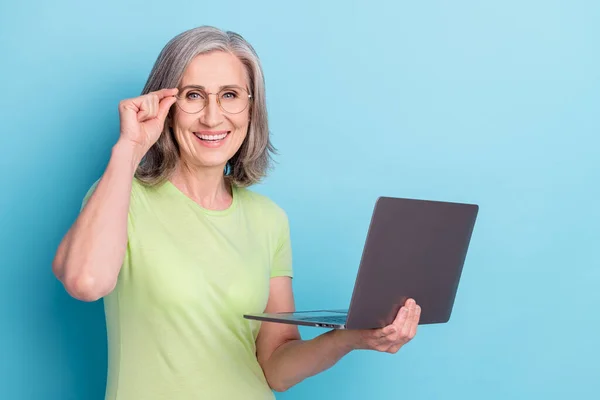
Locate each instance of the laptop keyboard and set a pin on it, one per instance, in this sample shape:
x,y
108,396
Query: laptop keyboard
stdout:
x,y
329,319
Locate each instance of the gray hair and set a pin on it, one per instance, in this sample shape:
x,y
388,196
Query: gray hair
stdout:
x,y
252,161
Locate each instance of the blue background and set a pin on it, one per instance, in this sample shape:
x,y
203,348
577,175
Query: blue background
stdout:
x,y
496,103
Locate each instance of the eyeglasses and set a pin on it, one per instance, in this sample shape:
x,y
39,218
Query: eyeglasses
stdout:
x,y
232,100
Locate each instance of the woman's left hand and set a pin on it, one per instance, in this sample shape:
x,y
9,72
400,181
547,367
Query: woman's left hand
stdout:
x,y
391,338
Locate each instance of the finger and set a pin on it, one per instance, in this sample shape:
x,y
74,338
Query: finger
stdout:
x,y
401,317
153,105
145,106
408,321
162,93
415,322
388,331
165,106
131,106
149,107
410,302
391,333
137,102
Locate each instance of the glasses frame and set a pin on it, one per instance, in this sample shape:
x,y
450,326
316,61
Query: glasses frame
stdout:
x,y
250,98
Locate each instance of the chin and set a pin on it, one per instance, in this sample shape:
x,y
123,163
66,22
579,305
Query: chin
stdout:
x,y
212,164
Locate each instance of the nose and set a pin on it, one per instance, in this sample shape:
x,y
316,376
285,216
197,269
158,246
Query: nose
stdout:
x,y
211,115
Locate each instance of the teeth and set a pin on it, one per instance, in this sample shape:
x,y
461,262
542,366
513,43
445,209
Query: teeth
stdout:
x,y
212,137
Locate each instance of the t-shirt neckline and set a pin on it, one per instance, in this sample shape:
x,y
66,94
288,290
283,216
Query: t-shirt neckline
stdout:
x,y
170,187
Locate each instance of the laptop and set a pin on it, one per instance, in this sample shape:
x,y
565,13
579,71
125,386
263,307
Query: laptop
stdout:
x,y
414,249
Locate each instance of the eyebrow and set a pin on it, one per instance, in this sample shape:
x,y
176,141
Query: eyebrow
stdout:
x,y
203,88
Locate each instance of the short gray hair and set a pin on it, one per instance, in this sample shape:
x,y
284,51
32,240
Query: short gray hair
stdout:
x,y
252,161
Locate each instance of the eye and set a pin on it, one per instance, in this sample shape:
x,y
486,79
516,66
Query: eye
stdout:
x,y
194,96
230,95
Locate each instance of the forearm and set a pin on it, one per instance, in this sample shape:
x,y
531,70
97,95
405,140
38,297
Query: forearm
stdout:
x,y
297,360
89,258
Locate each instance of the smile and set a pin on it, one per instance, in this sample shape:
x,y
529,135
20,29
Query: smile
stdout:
x,y
213,140
211,137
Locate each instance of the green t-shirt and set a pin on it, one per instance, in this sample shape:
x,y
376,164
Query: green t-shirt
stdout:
x,y
175,318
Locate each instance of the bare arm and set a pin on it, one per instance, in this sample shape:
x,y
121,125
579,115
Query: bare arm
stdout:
x,y
287,360
89,257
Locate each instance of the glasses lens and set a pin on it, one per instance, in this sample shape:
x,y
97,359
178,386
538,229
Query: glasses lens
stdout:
x,y
192,101
234,100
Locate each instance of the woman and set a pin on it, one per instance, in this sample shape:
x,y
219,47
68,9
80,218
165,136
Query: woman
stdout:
x,y
179,247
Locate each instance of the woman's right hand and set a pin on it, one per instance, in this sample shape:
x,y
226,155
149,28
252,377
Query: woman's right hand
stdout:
x,y
143,118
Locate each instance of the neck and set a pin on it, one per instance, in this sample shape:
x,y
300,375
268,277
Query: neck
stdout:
x,y
206,186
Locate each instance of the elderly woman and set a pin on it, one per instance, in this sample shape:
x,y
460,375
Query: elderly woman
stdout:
x,y
179,247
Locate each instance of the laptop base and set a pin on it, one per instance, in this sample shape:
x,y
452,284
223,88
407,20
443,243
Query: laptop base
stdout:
x,y
334,319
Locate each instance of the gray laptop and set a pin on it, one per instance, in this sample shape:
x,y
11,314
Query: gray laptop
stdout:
x,y
413,249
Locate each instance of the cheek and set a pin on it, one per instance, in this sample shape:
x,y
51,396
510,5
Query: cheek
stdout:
x,y
241,123
180,125
241,132
181,121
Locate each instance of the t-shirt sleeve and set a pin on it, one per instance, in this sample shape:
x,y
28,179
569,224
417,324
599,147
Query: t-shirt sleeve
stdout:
x,y
282,260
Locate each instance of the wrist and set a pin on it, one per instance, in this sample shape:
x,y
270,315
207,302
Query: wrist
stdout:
x,y
348,340
125,151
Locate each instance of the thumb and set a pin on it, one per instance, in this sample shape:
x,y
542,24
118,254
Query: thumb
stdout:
x,y
165,106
